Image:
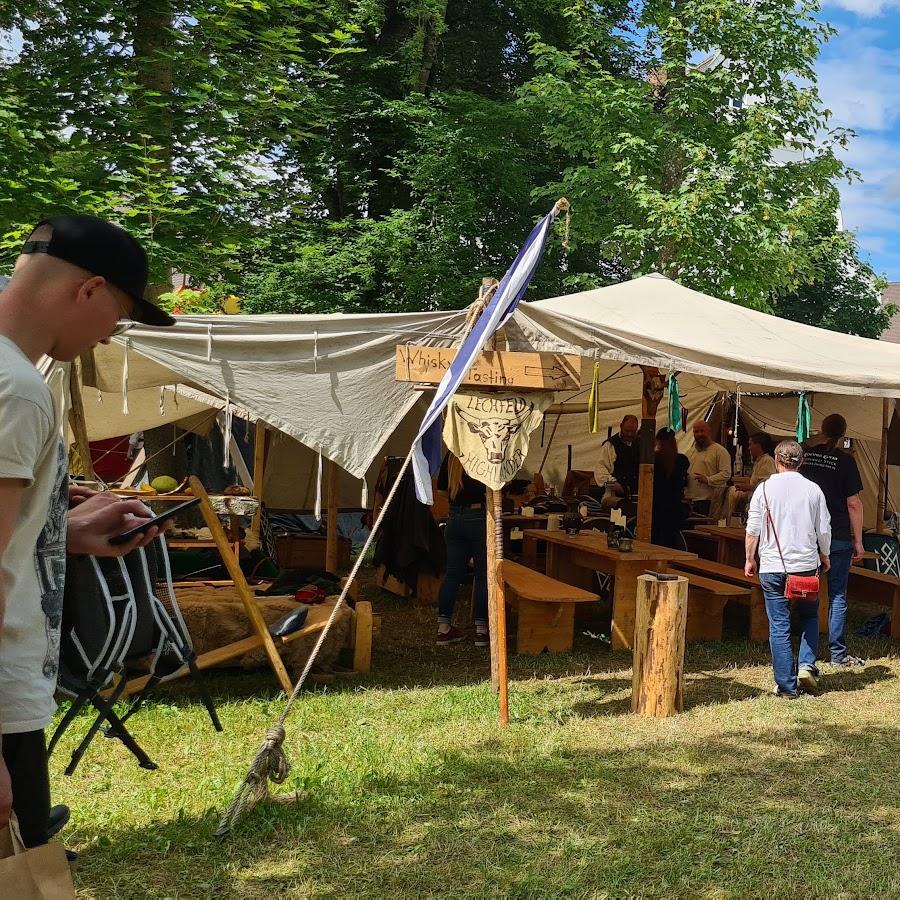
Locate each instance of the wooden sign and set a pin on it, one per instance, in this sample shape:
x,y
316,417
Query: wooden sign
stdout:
x,y
494,368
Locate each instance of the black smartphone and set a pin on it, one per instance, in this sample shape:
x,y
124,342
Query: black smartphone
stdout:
x,y
156,520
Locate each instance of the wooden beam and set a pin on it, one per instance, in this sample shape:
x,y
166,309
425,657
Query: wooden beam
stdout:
x,y
654,385
260,449
883,465
77,421
331,517
237,576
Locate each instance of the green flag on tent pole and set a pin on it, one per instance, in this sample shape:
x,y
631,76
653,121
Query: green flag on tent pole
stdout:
x,y
804,418
674,405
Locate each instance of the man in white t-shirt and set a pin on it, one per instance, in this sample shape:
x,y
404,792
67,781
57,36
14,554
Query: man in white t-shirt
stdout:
x,y
788,522
75,281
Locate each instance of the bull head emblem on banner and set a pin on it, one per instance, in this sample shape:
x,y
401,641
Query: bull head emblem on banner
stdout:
x,y
495,434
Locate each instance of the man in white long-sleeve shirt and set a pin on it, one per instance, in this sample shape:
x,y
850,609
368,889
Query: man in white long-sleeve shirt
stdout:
x,y
788,522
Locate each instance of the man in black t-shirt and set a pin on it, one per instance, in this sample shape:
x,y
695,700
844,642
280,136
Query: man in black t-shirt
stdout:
x,y
836,473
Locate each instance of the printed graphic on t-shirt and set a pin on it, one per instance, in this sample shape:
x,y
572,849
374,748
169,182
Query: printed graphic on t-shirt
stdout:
x,y
50,562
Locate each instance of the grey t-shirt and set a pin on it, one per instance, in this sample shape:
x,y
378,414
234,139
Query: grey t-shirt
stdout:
x,y
33,565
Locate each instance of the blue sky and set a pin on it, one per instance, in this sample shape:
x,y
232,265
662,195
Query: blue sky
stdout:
x,y
859,80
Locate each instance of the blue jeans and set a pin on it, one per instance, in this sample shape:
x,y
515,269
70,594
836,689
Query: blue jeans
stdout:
x,y
465,537
779,609
838,576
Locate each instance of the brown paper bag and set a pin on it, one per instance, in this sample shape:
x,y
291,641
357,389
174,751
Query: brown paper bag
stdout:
x,y
41,873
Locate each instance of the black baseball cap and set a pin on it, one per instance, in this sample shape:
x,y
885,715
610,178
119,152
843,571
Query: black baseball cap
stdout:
x,y
101,248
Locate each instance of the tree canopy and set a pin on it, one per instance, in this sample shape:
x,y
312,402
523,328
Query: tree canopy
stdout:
x,y
387,154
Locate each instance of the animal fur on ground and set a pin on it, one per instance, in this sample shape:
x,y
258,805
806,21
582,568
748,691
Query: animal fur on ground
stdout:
x,y
216,617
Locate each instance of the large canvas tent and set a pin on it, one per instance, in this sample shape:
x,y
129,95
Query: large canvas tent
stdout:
x,y
328,381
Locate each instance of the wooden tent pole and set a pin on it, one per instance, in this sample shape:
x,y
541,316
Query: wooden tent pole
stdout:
x,y
331,518
653,388
260,450
77,421
497,600
883,464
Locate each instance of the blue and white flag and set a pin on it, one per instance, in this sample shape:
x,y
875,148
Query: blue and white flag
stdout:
x,y
427,447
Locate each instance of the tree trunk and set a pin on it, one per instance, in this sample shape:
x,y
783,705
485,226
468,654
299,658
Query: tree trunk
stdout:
x,y
658,668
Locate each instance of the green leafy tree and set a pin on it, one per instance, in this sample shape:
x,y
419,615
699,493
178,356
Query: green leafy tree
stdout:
x,y
845,293
166,114
668,169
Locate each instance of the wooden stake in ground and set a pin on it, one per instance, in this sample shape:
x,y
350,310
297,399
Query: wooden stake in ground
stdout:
x,y
658,679
497,600
654,387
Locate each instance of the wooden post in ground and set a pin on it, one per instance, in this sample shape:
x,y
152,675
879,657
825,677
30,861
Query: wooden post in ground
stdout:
x,y
658,674
883,465
233,566
77,421
497,601
653,388
331,518
260,448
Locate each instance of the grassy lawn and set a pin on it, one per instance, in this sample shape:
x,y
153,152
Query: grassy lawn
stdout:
x,y
409,788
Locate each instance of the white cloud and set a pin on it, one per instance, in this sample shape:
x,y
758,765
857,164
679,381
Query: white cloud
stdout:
x,y
859,85
866,8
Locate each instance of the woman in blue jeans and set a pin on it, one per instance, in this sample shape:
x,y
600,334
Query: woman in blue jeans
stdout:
x,y
788,522
465,537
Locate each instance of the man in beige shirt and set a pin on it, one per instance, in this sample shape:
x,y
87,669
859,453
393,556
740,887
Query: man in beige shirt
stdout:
x,y
761,449
709,473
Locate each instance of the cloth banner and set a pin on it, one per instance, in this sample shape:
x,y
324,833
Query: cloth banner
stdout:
x,y
489,432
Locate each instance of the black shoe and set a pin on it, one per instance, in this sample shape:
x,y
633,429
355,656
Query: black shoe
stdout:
x,y
71,855
57,820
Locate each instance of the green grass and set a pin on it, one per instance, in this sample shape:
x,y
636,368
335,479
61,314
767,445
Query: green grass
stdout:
x,y
409,788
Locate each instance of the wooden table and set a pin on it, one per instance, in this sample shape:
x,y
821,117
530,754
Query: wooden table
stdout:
x,y
514,520
573,559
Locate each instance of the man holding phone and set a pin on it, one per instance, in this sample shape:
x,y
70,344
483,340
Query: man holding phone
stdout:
x,y
75,281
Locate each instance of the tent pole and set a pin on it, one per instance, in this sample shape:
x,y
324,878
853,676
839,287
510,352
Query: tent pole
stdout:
x,y
652,393
77,421
260,448
497,600
883,465
331,518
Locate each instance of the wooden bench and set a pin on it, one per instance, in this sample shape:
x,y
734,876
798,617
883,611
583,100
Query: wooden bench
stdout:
x,y
759,621
706,605
876,587
546,609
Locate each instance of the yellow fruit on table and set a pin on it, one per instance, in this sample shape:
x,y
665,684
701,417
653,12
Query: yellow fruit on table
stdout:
x,y
163,484
146,489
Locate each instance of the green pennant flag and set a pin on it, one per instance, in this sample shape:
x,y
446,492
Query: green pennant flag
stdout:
x,y
674,405
804,418
594,402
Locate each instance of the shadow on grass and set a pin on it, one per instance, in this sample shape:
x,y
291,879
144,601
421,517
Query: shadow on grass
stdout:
x,y
711,816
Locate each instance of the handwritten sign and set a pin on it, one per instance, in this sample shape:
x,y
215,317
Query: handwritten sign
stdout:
x,y
494,368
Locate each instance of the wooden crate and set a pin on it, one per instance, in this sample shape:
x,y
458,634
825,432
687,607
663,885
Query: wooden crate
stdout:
x,y
307,552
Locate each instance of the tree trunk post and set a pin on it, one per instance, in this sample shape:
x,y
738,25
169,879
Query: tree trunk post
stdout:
x,y
653,389
658,668
497,601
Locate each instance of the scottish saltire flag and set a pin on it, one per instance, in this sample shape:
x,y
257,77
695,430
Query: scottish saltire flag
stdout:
x,y
427,447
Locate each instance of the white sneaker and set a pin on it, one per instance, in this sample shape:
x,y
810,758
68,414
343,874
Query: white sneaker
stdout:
x,y
808,679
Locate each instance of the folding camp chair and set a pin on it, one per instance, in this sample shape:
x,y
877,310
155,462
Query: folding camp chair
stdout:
x,y
119,613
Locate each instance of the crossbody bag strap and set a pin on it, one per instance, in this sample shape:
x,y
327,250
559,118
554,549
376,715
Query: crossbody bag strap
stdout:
x,y
772,526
